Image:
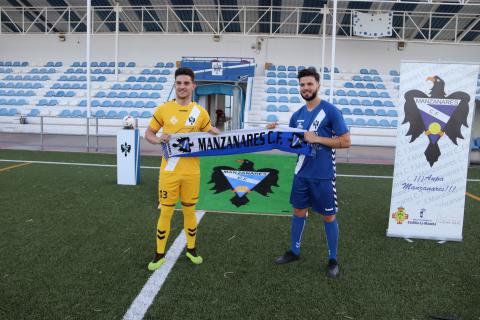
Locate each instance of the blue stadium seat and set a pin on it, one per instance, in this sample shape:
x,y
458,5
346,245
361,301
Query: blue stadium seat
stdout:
x,y
128,104
359,122
144,95
281,75
380,86
166,72
295,99
83,103
346,111
271,108
131,65
359,85
367,78
117,86
281,68
70,94
348,85
372,123
326,76
282,82
384,123
343,102
112,114
363,71
272,118
374,94
3,111
292,75
33,113
369,112
131,79
126,86
394,123
394,73
133,95
22,102
283,99
384,94
94,64
283,108
106,104
147,86
271,74
369,86
154,95
135,114
139,104
117,104
103,64
340,92
348,121
160,65
137,86
282,90
271,67
357,111
373,72
293,91
150,104
271,82
122,114
362,93
95,103
122,95
169,65
351,93
65,113
292,83
100,114
50,93
392,113
151,79
162,79
156,72
300,68
291,68
112,95
377,103
271,99
146,114
100,94
388,103
396,80
271,90
30,93
377,79
77,113
381,112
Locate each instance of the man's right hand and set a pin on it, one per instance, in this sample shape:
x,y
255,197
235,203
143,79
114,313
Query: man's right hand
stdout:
x,y
272,125
164,138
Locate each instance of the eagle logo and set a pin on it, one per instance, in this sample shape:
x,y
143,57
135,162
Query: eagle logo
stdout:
x,y
435,115
125,148
183,144
243,180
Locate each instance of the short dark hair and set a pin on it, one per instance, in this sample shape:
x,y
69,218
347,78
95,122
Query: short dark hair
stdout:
x,y
186,72
309,72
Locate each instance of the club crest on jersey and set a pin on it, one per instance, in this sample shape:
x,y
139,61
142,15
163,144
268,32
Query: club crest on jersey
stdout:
x,y
243,180
173,120
191,120
315,124
183,145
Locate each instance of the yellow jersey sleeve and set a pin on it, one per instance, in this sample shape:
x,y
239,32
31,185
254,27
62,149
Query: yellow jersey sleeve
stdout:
x,y
204,121
156,123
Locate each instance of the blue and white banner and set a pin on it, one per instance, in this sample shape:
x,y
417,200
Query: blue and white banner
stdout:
x,y
234,142
128,157
372,25
433,143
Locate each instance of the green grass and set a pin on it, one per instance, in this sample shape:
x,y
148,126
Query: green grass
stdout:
x,y
75,245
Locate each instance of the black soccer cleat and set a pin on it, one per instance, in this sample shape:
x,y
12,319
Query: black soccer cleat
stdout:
x,y
289,256
333,270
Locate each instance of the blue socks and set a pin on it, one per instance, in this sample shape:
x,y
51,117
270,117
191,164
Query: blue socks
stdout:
x,y
331,231
298,224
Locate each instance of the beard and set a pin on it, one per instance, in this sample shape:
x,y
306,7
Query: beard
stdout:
x,y
311,97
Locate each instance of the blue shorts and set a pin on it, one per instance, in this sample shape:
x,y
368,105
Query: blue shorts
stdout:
x,y
319,194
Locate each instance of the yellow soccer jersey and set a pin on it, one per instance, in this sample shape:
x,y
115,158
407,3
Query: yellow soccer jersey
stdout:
x,y
175,118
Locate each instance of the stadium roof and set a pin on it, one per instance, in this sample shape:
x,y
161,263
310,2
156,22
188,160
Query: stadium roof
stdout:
x,y
427,21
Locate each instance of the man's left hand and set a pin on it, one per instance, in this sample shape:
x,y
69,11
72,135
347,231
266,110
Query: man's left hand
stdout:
x,y
214,131
310,137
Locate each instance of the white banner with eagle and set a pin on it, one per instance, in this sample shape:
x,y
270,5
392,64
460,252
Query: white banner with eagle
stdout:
x,y
436,105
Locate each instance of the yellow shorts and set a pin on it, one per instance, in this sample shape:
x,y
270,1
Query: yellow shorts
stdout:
x,y
171,186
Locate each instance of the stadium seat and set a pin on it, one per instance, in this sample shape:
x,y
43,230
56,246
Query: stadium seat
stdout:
x,y
160,65
351,93
381,112
112,114
106,104
283,99
374,94
291,68
293,91
377,103
357,112
271,90
340,92
392,113
144,95
112,95
65,113
369,86
77,113
282,90
169,65
271,99
283,82
33,113
135,114
348,121
363,93
122,114
128,104
377,79
292,82
122,95
346,111
272,118
394,123
388,103
100,94
394,73
359,85
385,95
117,86
369,112
295,99
356,78
150,104
154,95
343,102
100,114
363,71
373,72
292,75
271,82
367,78
372,123
117,104
384,123
271,74
133,95
281,68
359,122
145,114
139,104
283,108
348,85
3,111
380,86
147,86
271,108
281,75
137,86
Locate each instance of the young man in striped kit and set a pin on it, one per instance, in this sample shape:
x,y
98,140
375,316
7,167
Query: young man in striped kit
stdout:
x,y
314,181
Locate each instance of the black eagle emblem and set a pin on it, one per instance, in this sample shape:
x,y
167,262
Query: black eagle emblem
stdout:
x,y
264,187
125,148
435,115
183,144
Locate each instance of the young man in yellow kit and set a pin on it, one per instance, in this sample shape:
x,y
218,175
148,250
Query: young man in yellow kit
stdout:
x,y
179,176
